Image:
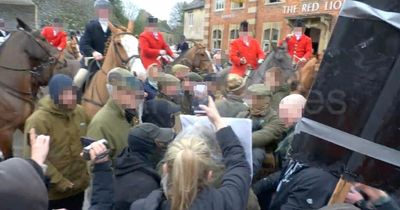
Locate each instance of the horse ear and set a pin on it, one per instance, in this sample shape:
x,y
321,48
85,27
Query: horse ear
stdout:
x,y
131,26
112,28
22,25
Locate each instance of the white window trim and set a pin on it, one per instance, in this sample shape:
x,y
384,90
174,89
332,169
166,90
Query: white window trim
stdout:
x,y
271,25
215,5
216,39
237,8
191,19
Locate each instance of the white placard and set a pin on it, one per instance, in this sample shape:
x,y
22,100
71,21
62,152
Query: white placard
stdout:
x,y
241,127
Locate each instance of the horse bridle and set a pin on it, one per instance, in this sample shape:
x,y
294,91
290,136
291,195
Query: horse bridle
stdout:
x,y
37,70
124,62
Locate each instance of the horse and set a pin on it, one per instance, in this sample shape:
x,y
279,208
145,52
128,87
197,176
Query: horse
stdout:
x,y
27,62
122,52
197,58
307,75
280,58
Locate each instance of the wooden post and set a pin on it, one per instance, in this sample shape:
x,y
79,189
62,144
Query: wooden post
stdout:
x,y
341,190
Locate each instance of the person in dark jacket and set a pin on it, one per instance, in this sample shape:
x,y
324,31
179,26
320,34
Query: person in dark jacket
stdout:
x,y
303,187
150,85
160,112
23,181
182,46
186,167
92,43
135,169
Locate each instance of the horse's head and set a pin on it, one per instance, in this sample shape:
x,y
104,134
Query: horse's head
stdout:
x,y
201,59
124,44
42,56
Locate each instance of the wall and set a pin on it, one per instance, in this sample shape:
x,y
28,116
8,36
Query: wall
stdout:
x,y
195,31
9,13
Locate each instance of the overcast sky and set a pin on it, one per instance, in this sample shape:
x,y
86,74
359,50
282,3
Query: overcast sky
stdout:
x,y
158,8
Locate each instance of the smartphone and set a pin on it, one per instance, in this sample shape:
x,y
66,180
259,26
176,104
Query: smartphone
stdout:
x,y
86,141
200,97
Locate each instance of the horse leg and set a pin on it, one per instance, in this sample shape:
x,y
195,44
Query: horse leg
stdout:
x,y
6,142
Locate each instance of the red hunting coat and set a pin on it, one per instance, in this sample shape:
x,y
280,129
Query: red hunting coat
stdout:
x,y
59,40
252,53
301,48
150,48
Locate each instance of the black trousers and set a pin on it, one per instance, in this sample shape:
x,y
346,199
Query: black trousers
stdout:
x,y
71,203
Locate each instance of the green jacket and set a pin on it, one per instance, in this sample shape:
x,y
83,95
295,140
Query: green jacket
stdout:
x,y
64,161
230,106
278,95
267,130
110,124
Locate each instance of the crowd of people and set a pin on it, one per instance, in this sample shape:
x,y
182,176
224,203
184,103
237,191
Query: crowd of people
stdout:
x,y
134,154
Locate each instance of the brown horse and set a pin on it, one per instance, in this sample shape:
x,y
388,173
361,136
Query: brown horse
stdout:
x,y
198,58
26,63
122,52
307,75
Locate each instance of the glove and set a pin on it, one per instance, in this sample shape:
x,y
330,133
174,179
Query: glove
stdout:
x,y
303,60
289,36
175,56
97,56
260,61
163,52
64,185
243,60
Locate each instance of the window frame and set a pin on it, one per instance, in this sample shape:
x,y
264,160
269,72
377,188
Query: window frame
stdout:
x,y
220,3
191,19
272,27
217,38
268,2
237,8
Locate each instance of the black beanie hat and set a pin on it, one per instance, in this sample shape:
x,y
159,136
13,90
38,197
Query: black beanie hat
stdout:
x,y
57,84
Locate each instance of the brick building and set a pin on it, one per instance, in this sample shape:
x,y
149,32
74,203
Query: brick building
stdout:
x,y
269,20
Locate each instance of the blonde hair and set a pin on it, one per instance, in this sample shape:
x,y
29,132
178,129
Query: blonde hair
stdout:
x,y
189,161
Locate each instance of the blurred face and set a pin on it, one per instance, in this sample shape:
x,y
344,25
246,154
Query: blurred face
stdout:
x,y
182,74
272,80
257,101
152,29
188,85
58,28
298,31
290,113
170,90
244,34
153,72
68,99
211,86
128,99
103,13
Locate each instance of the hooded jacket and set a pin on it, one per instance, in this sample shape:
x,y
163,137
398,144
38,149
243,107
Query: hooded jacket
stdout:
x,y
22,185
64,161
135,177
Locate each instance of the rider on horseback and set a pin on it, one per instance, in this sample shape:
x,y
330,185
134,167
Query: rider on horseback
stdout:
x,y
245,52
299,45
152,44
92,43
55,34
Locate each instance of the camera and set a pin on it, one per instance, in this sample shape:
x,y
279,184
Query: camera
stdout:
x,y
87,145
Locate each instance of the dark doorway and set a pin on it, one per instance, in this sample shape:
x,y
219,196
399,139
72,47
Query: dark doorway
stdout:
x,y
315,34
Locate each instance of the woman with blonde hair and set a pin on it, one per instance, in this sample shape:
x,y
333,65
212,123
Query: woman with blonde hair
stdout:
x,y
187,173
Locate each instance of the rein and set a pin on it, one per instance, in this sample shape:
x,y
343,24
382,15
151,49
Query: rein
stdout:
x,y
123,61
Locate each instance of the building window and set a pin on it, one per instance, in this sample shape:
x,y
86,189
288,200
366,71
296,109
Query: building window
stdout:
x,y
272,1
270,38
219,5
234,34
237,5
190,17
217,39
